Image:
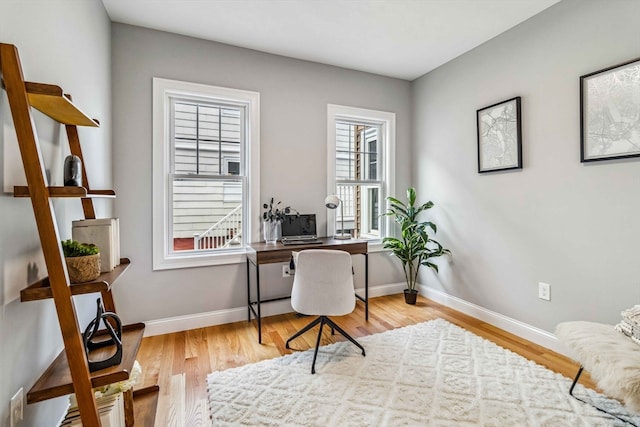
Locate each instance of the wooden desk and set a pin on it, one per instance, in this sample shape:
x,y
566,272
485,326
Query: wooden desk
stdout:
x,y
268,253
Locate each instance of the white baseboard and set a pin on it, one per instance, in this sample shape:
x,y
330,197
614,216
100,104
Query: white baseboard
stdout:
x,y
378,291
516,327
238,314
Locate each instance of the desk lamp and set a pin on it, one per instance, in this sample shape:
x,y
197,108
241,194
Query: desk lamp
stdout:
x,y
332,202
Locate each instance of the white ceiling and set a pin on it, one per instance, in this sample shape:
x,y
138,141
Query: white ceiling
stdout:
x,y
397,38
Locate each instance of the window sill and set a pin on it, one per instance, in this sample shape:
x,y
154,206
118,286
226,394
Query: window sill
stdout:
x,y
193,259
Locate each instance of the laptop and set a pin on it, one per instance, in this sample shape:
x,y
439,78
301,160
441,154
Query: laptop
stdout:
x,y
299,230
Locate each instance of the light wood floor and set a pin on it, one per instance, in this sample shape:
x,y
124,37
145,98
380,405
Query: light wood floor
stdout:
x,y
180,362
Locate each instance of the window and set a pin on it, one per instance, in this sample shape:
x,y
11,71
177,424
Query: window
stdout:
x,y
361,147
232,166
205,173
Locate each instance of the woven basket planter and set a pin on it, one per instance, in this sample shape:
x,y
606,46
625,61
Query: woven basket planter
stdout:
x,y
83,268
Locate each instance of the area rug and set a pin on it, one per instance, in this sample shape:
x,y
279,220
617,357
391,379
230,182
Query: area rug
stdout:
x,y
429,374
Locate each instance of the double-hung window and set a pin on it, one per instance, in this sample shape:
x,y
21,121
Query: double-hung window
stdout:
x,y
205,159
361,147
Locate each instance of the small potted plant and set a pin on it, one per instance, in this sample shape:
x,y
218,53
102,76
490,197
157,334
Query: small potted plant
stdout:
x,y
272,217
415,247
83,260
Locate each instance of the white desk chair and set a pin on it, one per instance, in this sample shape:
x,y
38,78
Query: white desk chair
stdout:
x,y
323,286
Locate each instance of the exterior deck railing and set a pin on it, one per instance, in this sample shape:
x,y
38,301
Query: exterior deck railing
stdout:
x,y
223,233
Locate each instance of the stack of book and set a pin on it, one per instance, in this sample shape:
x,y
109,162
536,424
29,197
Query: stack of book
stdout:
x,y
110,409
105,234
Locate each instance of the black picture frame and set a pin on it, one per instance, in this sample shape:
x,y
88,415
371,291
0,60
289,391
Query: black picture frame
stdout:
x,y
609,111
499,130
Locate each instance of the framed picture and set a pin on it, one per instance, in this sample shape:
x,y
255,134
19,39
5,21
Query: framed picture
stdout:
x,y
610,113
500,136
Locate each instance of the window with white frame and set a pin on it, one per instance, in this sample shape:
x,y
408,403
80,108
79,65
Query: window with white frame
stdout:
x,y
361,151
205,173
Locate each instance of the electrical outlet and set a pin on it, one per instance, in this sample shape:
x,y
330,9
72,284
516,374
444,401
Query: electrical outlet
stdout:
x,y
544,291
17,408
285,271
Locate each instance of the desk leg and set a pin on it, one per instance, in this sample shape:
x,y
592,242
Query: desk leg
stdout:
x,y
258,312
248,290
258,304
366,287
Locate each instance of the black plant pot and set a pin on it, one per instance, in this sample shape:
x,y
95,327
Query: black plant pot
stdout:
x,y
410,296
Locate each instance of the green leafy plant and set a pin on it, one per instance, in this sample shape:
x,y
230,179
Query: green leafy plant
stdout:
x,y
274,213
72,249
415,247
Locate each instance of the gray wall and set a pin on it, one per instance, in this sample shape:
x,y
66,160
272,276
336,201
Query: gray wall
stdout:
x,y
294,97
65,43
557,221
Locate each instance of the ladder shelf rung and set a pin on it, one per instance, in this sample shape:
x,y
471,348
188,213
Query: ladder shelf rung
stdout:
x,y
50,100
42,288
56,380
66,191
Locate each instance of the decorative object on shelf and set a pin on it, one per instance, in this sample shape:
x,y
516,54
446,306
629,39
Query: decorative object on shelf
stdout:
x,y
414,248
272,217
103,232
111,337
609,111
499,136
332,202
110,408
73,171
83,261
121,386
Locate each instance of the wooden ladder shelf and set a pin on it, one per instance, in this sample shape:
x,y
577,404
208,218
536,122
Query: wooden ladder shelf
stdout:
x,y
69,373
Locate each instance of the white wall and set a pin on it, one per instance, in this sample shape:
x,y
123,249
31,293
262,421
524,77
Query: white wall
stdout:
x,y
294,95
65,43
557,221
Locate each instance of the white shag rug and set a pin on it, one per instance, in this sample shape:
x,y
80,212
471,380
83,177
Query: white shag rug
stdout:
x,y
429,374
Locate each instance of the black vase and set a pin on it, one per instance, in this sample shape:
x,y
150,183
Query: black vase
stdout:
x,y
73,171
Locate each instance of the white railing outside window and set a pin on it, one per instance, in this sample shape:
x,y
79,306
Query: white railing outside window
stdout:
x,y
224,233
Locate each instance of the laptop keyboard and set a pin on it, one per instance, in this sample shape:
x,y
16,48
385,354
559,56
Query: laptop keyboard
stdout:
x,y
302,242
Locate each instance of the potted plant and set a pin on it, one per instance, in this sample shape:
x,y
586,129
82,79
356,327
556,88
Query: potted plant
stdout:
x,y
271,219
415,247
83,260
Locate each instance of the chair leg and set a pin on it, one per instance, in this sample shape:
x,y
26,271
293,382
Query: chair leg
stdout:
x,y
575,381
303,330
323,320
344,334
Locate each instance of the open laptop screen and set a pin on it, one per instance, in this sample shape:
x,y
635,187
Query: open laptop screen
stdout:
x,y
296,226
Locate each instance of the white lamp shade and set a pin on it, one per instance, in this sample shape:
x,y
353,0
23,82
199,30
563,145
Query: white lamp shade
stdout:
x,y
332,201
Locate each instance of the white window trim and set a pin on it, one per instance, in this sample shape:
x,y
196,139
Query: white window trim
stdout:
x,y
387,121
163,89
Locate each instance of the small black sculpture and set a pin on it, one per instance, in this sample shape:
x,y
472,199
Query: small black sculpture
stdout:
x,y
73,171
112,336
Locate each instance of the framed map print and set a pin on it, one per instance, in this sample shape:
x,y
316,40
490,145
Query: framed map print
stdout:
x,y
499,136
610,113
